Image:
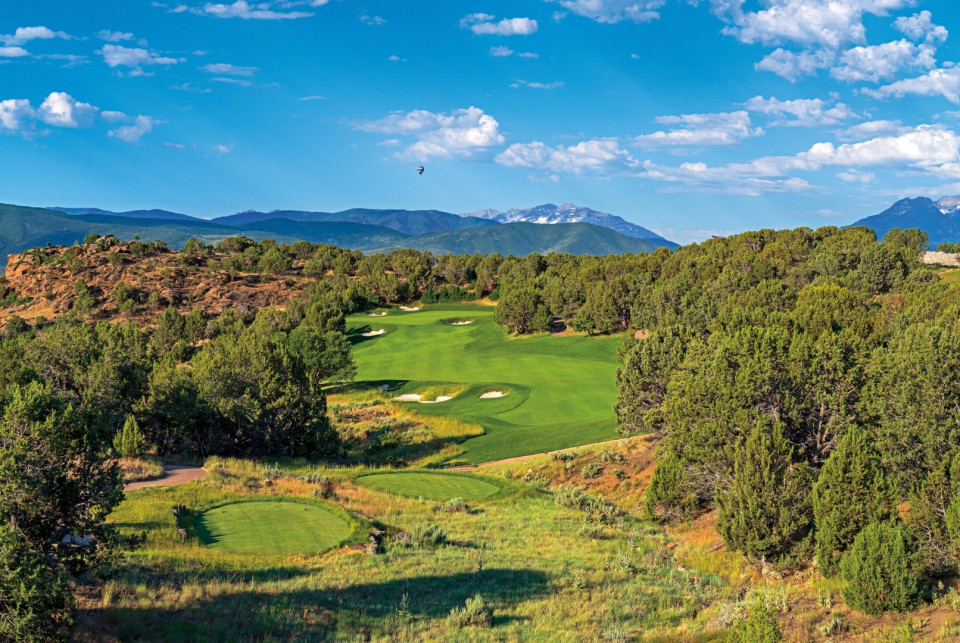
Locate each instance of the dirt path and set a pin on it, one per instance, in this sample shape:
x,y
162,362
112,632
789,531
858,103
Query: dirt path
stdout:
x,y
173,474
534,456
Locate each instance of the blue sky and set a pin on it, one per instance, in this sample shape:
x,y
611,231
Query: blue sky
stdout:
x,y
689,118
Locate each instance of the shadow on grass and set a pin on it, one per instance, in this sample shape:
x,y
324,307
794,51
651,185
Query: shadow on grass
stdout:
x,y
365,610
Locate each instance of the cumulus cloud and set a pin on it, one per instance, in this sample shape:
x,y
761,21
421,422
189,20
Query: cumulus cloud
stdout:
x,y
226,69
13,52
597,156
16,115
724,128
856,176
484,24
805,112
133,132
25,34
612,11
135,58
937,82
871,129
791,65
920,26
261,11
63,110
462,133
883,62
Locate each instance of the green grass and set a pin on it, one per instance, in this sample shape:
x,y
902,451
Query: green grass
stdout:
x,y
435,486
562,389
278,528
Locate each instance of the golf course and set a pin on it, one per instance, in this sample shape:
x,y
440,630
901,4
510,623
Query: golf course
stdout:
x,y
530,395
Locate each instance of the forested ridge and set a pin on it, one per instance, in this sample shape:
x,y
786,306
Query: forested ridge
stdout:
x,y
803,383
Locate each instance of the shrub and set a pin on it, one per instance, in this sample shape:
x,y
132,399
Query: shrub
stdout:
x,y
591,470
455,504
877,571
760,626
128,442
667,497
427,534
475,612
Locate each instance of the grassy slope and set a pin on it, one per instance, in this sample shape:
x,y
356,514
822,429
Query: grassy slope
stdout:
x,y
435,486
562,389
252,527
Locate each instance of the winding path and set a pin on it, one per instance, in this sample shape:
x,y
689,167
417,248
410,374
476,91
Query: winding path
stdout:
x,y
173,474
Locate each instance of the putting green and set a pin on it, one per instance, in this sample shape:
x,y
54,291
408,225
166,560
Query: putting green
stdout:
x,y
562,389
435,486
279,528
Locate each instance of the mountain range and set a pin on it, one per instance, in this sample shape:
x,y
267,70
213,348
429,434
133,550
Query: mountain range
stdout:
x,y
566,213
939,219
361,229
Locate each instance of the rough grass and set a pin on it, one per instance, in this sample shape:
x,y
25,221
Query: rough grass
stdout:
x,y
137,469
562,389
277,528
435,486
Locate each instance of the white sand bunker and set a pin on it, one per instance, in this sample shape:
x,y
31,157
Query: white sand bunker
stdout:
x,y
374,333
442,398
462,322
410,309
408,397
377,314
489,395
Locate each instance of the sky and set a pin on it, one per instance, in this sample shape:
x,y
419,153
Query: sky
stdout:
x,y
688,117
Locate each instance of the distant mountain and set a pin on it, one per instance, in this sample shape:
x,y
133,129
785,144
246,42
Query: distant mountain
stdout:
x,y
939,219
405,221
131,214
522,238
22,228
567,213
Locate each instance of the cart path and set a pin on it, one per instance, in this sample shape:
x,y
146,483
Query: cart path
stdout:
x,y
173,474
534,456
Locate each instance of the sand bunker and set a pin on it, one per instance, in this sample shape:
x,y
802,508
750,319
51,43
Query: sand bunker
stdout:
x,y
442,398
492,394
374,333
461,323
408,397
377,314
410,309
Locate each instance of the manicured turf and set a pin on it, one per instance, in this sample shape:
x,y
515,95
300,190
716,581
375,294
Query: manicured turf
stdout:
x,y
562,389
276,528
435,486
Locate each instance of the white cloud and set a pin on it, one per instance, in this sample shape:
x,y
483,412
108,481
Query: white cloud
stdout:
x,y
882,62
25,34
612,11
813,112
374,21
223,149
462,133
226,69
505,52
396,59
119,56
63,110
175,146
593,156
724,128
737,179
485,25
937,82
856,176
16,115
536,84
871,129
114,36
261,11
13,52
792,66
314,97
132,133
920,27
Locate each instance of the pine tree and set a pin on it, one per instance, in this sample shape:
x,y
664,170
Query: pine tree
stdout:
x,y
850,493
128,442
877,572
766,510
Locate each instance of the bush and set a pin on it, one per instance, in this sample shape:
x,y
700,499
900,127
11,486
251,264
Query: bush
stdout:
x,y
455,504
592,470
128,442
475,612
667,497
877,571
427,534
760,626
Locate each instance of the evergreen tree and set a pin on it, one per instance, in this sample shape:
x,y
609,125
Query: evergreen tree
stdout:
x,y
760,626
877,571
128,442
850,493
668,496
766,510
934,518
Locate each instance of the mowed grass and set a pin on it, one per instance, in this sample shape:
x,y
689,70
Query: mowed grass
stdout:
x,y
561,389
435,486
277,528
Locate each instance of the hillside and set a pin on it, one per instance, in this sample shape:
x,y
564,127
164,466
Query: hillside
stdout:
x,y
939,219
129,214
549,213
411,222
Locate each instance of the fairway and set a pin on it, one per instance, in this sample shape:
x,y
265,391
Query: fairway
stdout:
x,y
277,528
561,389
435,486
